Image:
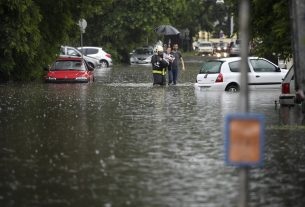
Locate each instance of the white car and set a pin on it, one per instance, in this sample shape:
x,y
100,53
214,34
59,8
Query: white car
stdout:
x,y
71,51
224,74
98,53
288,96
205,48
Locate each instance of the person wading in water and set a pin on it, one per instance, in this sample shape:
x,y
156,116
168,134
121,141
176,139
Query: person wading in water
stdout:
x,y
175,64
159,65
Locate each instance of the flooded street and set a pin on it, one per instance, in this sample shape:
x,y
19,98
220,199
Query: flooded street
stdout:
x,y
122,142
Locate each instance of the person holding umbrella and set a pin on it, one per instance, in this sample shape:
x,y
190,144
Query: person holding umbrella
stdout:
x,y
159,65
170,31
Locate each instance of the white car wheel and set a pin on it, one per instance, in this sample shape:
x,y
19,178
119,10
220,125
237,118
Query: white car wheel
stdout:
x,y
232,88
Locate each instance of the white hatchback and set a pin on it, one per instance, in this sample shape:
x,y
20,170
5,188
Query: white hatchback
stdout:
x,y
224,74
98,53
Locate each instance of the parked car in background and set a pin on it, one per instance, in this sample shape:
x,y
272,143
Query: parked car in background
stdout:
x,y
288,95
205,48
70,69
141,55
234,49
224,74
71,51
98,53
221,49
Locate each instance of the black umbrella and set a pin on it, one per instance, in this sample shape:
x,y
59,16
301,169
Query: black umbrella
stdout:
x,y
166,30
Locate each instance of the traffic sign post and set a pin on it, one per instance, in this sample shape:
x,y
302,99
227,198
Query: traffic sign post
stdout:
x,y
244,147
244,10
82,23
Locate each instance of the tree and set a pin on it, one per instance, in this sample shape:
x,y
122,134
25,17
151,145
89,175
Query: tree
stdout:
x,y
123,25
32,31
20,38
270,27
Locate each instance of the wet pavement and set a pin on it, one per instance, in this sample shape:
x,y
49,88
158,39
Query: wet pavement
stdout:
x,y
122,142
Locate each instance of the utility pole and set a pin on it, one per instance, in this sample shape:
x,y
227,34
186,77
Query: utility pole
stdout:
x,y
298,22
244,11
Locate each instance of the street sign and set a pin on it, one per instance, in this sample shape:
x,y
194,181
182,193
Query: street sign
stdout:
x,y
82,23
244,139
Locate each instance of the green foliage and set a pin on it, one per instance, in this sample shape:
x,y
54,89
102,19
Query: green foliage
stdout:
x,y
271,25
19,37
32,31
123,25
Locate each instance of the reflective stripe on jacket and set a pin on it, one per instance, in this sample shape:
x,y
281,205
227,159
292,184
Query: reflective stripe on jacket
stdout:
x,y
161,71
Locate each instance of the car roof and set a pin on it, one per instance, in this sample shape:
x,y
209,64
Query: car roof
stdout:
x,y
232,59
67,46
92,47
66,57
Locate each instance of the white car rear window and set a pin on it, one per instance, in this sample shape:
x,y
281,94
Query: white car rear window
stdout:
x,y
235,67
211,67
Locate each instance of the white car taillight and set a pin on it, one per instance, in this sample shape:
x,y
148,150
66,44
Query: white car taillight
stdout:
x,y
219,78
285,88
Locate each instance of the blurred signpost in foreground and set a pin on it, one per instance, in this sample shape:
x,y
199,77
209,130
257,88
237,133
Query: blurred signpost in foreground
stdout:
x,y
244,131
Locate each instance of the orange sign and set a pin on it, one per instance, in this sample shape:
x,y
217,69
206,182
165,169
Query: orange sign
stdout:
x,y
244,140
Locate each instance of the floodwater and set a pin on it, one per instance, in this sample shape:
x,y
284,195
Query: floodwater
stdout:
x,y
122,142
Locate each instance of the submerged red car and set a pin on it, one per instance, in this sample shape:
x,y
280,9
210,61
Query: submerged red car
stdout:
x,y
70,69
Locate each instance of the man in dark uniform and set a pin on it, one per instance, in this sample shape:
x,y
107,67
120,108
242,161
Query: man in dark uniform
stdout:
x,y
159,65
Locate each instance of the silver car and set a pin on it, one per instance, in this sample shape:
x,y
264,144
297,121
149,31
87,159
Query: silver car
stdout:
x,y
141,55
71,51
234,49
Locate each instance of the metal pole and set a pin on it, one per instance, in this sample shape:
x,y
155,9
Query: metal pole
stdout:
x,y
231,26
81,42
244,11
298,22
244,39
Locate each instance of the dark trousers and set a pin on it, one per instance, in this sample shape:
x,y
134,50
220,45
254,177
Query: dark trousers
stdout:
x,y
175,75
170,76
159,79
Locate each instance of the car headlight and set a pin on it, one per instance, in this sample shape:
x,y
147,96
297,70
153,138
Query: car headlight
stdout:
x,y
81,78
51,78
218,48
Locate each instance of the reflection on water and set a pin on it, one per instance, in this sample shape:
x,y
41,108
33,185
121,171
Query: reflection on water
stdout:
x,y
122,142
